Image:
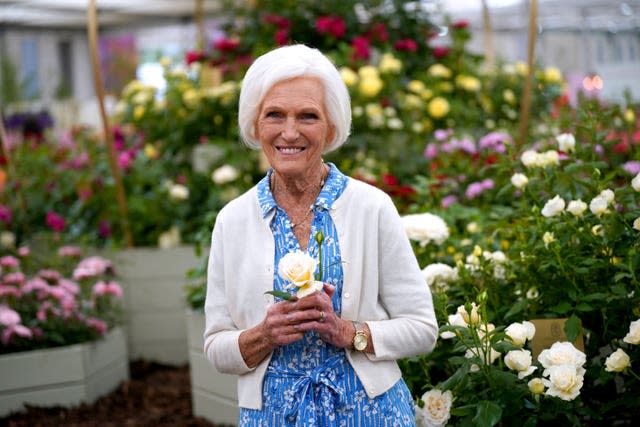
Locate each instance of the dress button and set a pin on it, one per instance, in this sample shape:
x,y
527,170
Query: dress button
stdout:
x,y
346,295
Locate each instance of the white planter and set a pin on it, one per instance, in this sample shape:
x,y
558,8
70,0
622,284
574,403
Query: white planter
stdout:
x,y
63,376
213,395
153,282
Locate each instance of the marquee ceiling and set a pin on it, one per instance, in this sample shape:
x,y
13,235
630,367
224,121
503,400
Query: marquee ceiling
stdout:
x,y
608,15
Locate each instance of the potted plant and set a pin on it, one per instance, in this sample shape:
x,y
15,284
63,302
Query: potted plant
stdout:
x,y
60,336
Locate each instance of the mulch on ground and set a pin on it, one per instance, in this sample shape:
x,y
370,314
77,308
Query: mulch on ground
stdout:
x,y
156,395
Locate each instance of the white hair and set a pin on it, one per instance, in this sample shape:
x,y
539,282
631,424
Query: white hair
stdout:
x,y
285,63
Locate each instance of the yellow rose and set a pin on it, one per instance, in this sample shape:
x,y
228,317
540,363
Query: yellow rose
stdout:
x,y
190,97
370,86
165,61
416,86
629,115
445,87
509,96
150,151
412,101
468,83
438,107
552,75
521,68
390,64
349,77
439,70
368,71
138,112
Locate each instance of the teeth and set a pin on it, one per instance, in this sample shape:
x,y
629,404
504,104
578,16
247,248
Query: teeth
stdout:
x,y
290,150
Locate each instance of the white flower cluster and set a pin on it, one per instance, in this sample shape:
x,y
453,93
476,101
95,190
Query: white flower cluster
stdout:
x,y
425,228
533,159
439,275
520,360
563,373
224,174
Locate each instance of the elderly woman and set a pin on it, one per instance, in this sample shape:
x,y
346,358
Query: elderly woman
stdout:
x,y
328,358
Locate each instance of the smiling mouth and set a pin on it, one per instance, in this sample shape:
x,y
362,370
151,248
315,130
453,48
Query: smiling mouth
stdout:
x,y
290,150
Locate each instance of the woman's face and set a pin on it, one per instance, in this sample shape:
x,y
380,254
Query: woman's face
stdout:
x,y
293,126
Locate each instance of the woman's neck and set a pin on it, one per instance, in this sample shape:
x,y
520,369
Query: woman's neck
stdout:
x,y
299,188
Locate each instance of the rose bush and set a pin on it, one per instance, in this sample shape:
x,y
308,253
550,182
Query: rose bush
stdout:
x,y
51,298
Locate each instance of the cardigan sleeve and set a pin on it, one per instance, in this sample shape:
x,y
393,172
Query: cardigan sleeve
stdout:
x,y
411,327
221,334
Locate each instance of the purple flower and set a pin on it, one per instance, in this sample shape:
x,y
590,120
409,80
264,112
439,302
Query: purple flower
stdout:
x,y
448,201
441,134
632,167
495,141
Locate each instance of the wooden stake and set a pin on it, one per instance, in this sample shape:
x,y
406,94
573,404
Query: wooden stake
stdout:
x,y
92,32
525,107
488,35
200,25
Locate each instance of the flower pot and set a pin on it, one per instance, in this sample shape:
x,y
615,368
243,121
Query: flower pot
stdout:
x,y
213,395
63,376
153,281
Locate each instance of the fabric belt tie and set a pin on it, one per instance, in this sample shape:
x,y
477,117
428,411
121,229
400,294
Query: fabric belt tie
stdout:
x,y
319,385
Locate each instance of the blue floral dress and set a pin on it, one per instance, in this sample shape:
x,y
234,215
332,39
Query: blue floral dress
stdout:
x,y
310,382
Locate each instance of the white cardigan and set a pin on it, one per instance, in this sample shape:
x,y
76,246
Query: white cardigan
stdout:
x,y
383,285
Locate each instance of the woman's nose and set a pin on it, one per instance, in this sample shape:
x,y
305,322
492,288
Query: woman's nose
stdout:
x,y
290,132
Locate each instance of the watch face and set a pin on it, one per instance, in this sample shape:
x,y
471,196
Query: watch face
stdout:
x,y
360,342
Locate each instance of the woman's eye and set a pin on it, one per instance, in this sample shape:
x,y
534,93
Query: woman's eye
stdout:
x,y
309,116
272,114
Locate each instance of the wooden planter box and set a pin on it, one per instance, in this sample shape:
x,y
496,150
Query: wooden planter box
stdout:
x,y
63,376
153,282
213,395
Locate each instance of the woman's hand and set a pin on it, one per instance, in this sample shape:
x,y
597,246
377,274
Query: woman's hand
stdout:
x,y
315,313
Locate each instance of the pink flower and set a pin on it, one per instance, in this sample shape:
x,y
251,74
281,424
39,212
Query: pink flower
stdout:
x,y
70,286
16,278
333,25
226,45
91,267
277,20
9,261
9,291
461,24
5,214
361,50
431,151
408,45
8,316
107,288
192,57
281,37
441,51
125,160
55,221
448,201
35,284
12,330
97,324
442,134
104,230
24,251
70,251
632,167
51,276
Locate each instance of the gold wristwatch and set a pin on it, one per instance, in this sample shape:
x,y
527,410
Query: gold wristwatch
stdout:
x,y
361,339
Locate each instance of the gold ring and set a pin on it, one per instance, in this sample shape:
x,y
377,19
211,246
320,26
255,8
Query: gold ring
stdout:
x,y
321,320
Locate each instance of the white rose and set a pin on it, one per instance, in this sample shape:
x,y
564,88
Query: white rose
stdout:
x,y
425,228
453,320
548,237
486,359
170,238
297,268
617,361
635,182
562,353
178,192
564,382
224,174
520,361
548,158
519,180
530,158
519,333
633,336
576,207
566,142
598,205
636,223
439,275
536,386
553,207
436,410
608,195
7,239
472,318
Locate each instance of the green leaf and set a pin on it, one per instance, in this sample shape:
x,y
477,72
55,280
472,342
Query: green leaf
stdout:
x,y
516,308
280,294
487,414
572,327
562,308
